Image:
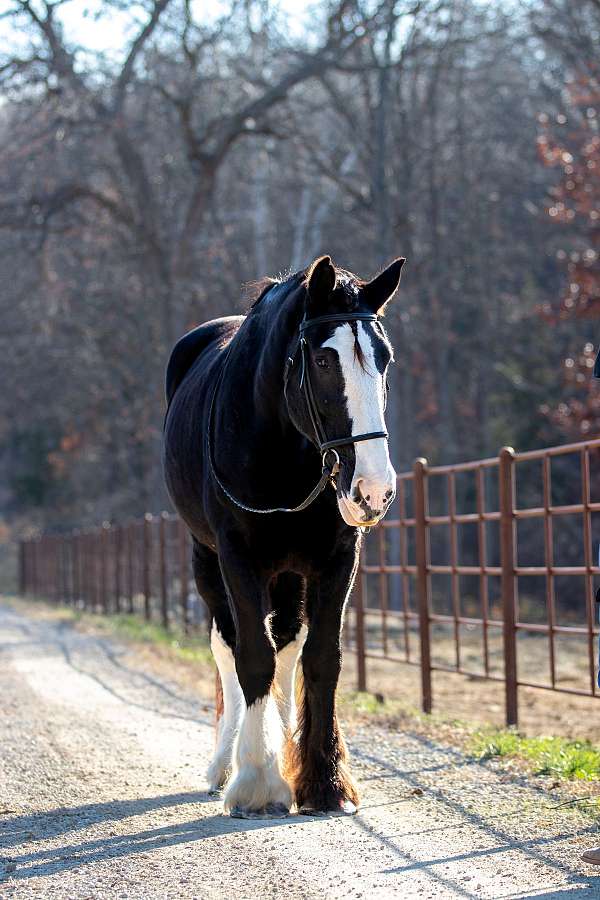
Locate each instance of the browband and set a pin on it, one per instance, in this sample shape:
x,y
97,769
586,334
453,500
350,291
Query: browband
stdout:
x,y
338,317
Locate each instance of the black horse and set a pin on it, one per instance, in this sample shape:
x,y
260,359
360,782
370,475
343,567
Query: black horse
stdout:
x,y
266,412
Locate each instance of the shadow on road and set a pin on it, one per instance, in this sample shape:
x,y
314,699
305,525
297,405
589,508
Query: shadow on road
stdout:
x,y
51,825
81,651
504,841
505,837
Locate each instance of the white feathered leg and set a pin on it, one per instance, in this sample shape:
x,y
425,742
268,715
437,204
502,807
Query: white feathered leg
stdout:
x,y
233,703
257,788
285,678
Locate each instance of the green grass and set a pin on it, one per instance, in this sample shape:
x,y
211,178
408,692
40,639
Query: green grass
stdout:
x,y
134,628
556,756
364,702
191,648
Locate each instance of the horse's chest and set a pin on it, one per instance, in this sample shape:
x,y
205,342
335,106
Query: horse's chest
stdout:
x,y
299,543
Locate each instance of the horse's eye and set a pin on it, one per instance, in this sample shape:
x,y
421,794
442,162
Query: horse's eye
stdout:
x,y
322,363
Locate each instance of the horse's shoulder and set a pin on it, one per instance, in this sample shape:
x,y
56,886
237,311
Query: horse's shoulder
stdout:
x,y
189,347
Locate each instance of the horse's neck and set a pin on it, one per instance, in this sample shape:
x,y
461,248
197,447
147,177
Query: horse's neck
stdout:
x,y
254,406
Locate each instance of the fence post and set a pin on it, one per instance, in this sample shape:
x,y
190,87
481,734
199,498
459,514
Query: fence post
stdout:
x,y
359,609
162,549
56,551
131,528
422,559
118,533
22,573
31,565
506,476
76,569
104,589
89,572
147,525
184,574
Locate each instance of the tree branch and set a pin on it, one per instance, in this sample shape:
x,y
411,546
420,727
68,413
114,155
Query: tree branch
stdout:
x,y
136,48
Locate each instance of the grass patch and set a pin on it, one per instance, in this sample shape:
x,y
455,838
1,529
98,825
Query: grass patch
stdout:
x,y
363,702
193,648
553,756
133,628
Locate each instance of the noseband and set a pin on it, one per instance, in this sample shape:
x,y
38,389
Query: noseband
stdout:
x,y
325,446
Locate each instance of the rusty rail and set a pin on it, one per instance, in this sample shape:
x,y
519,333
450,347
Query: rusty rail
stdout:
x,y
391,626
144,567
139,567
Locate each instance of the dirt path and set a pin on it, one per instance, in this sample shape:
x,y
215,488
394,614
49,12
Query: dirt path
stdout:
x,y
102,796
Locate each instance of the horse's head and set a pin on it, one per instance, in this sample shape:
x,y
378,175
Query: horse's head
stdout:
x,y
346,365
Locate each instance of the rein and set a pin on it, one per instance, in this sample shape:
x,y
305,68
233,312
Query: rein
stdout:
x,y
329,470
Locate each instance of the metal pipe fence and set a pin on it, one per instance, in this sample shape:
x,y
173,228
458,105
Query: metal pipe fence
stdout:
x,y
490,565
141,567
486,570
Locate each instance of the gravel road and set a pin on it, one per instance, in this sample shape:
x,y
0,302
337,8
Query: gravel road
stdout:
x,y
102,796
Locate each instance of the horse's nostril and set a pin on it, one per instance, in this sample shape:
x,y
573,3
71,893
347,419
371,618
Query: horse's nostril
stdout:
x,y
389,494
368,497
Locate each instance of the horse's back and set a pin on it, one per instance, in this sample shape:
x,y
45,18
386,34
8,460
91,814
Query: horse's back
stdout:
x,y
187,350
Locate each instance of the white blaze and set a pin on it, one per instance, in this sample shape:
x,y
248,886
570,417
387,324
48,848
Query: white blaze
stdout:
x,y
365,397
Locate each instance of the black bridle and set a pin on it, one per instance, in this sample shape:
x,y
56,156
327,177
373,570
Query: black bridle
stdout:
x,y
305,382
325,446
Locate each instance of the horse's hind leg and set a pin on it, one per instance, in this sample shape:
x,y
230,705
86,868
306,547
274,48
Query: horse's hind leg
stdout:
x,y
222,639
289,633
257,787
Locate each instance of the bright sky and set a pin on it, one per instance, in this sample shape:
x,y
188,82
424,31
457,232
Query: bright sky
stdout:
x,y
93,25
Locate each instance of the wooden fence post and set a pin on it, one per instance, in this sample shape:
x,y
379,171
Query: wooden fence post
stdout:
x,y
422,558
506,477
359,609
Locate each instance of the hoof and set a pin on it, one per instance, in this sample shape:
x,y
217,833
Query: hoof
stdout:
x,y
345,808
270,811
214,791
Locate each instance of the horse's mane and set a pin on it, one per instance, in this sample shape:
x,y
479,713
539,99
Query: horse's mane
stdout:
x,y
254,291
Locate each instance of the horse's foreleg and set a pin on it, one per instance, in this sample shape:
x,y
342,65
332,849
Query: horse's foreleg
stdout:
x,y
228,721
211,588
257,787
322,779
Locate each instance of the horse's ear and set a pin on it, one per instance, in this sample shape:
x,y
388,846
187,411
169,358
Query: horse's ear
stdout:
x,y
382,288
320,282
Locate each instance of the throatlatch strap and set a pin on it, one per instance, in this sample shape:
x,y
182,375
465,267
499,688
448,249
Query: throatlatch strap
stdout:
x,y
355,439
